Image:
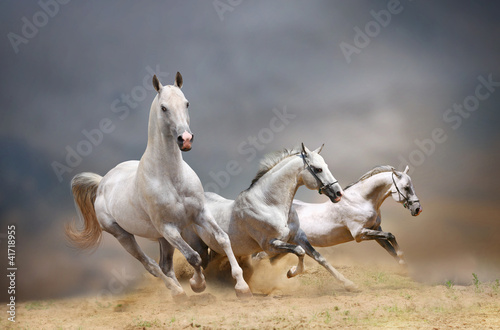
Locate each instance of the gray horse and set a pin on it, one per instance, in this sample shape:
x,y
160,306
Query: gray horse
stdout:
x,y
156,197
262,217
358,217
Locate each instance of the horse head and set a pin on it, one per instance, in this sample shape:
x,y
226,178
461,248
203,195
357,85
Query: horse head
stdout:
x,y
402,191
316,174
171,112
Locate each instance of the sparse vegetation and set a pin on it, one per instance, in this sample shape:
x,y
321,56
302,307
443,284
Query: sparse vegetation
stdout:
x,y
39,305
387,299
495,286
147,324
476,282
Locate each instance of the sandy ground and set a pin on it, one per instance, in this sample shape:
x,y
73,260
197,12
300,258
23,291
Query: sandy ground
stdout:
x,y
388,298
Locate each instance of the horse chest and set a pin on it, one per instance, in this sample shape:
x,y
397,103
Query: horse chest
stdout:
x,y
171,205
264,222
371,222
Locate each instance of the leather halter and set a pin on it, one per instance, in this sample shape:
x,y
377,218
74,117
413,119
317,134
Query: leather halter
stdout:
x,y
407,202
309,168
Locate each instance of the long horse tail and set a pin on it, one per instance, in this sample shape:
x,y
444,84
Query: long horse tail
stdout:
x,y
84,187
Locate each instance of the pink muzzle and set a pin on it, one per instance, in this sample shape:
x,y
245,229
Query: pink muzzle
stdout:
x,y
185,141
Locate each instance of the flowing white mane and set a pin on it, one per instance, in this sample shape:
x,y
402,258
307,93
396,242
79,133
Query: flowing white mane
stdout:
x,y
372,172
271,160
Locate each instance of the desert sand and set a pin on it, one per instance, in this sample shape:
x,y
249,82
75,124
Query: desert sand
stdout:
x,y
388,297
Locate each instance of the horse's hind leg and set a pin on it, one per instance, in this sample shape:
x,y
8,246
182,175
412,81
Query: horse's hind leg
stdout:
x,y
174,238
167,259
128,241
302,240
208,223
277,248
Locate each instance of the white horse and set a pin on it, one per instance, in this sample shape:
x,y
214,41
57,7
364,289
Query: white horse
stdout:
x,y
156,197
262,217
358,217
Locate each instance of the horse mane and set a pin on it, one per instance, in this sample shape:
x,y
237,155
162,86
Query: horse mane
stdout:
x,y
372,172
271,160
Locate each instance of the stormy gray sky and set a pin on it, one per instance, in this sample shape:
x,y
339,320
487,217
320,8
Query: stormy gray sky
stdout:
x,y
379,82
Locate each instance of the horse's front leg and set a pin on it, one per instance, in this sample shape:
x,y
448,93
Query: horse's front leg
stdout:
x,y
194,241
390,249
207,222
301,239
385,239
166,259
173,236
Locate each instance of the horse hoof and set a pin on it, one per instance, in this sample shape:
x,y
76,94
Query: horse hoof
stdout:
x,y
197,287
181,297
351,287
292,272
244,294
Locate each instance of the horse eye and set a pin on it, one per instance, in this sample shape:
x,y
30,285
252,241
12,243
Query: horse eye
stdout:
x,y
318,170
187,105
163,109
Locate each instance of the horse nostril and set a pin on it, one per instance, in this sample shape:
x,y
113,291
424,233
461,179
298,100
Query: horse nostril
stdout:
x,y
180,139
417,210
339,194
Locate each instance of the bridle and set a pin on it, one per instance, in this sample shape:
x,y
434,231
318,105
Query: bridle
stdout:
x,y
407,202
309,168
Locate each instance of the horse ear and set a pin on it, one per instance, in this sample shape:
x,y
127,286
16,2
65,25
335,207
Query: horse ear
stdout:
x,y
397,174
319,149
406,169
304,149
178,80
157,84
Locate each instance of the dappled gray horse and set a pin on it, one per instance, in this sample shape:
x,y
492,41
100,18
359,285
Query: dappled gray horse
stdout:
x,y
358,217
156,197
262,217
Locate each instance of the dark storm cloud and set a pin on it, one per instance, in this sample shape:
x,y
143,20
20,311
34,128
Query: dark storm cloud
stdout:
x,y
261,58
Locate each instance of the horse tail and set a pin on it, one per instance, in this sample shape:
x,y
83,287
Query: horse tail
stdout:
x,y
84,187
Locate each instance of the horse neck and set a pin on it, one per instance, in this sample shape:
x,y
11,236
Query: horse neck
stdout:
x,y
280,184
162,156
376,188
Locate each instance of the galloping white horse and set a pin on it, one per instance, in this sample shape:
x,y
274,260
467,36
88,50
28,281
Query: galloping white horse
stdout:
x,y
156,197
262,217
358,217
